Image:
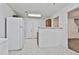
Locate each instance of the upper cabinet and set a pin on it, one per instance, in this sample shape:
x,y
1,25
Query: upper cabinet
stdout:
x,y
56,22
53,23
48,23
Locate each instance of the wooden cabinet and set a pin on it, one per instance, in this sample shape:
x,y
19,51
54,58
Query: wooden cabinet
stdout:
x,y
73,43
48,23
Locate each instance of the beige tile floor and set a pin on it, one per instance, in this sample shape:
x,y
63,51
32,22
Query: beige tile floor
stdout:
x,y
31,48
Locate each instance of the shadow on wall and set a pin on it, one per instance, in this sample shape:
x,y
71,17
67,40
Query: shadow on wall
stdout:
x,y
77,23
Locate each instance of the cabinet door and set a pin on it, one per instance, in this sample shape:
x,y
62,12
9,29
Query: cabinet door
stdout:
x,y
50,37
47,38
48,23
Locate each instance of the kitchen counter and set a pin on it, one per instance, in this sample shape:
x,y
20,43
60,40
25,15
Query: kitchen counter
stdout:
x,y
52,37
50,28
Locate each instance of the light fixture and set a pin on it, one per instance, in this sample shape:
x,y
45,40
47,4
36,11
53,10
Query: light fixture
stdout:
x,y
34,15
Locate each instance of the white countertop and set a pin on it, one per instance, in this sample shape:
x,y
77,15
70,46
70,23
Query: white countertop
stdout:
x,y
50,27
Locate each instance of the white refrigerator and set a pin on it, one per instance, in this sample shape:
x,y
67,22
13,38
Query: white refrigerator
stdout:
x,y
15,33
2,27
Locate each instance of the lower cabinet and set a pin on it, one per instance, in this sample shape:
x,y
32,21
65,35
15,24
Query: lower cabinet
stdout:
x,y
50,37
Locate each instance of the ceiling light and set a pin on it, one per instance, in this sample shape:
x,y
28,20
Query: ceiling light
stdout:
x,y
34,15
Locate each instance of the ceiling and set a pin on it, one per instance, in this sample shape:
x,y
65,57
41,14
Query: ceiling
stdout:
x,y
46,9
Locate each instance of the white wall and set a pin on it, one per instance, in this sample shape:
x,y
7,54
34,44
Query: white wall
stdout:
x,y
63,17
5,11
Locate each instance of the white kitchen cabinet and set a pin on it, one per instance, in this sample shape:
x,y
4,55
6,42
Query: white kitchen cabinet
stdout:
x,y
50,37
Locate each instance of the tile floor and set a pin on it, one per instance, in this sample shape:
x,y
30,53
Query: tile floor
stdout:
x,y
31,48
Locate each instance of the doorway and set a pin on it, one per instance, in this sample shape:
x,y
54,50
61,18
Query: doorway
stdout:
x,y
73,30
31,28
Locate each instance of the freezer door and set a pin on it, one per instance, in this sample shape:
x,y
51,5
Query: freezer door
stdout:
x,y
2,27
15,33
